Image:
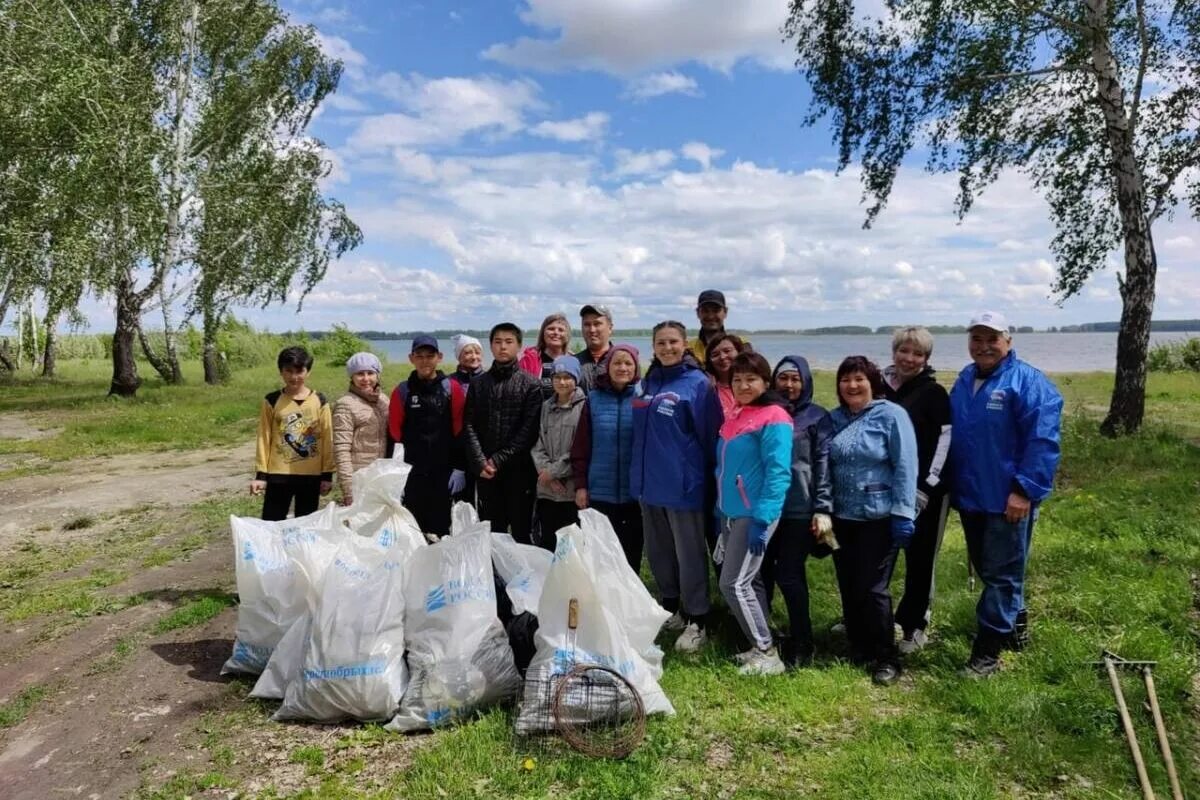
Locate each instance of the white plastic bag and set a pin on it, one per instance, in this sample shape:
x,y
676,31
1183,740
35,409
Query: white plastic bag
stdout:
x,y
382,481
465,519
459,658
617,622
523,569
352,664
274,563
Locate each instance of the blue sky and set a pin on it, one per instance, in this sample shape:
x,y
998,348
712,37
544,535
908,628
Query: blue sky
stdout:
x,y
509,159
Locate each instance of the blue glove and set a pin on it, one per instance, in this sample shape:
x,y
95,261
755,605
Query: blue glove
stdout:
x,y
756,541
458,481
902,532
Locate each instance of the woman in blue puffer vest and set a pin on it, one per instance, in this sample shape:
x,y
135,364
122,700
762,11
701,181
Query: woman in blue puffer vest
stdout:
x,y
873,464
603,449
675,421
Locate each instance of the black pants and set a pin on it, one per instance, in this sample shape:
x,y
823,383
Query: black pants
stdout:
x,y
552,515
427,496
626,519
864,570
912,612
506,501
306,489
467,495
787,555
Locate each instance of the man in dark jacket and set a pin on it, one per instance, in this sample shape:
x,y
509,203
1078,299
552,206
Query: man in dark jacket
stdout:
x,y
426,417
503,408
910,382
807,507
596,322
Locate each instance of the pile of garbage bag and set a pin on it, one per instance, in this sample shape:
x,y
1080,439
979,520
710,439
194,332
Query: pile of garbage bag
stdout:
x,y
352,613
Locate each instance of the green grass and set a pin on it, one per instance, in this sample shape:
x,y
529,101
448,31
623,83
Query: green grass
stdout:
x,y
16,709
195,612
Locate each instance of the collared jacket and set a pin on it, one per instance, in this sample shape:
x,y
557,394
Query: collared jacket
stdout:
x,y
810,491
360,434
504,406
553,449
754,462
928,407
873,459
426,416
675,423
1006,436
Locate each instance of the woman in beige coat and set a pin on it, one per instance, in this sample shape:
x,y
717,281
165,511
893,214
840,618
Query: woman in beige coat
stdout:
x,y
360,421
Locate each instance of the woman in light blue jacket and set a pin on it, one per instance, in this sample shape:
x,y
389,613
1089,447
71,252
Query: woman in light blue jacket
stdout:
x,y
873,464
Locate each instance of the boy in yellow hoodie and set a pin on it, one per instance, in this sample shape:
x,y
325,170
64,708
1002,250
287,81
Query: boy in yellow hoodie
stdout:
x,y
294,456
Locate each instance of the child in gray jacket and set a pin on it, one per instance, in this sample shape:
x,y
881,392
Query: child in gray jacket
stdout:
x,y
552,454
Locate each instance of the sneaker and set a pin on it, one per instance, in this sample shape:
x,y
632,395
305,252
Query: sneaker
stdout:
x,y
981,665
675,622
885,674
692,639
913,641
744,657
838,627
763,662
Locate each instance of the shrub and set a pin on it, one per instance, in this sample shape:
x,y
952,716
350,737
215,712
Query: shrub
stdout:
x,y
1179,356
336,347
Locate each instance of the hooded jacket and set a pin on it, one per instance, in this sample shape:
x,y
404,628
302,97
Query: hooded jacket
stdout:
x,y
553,449
810,491
873,462
675,423
928,407
1006,436
754,458
503,409
603,447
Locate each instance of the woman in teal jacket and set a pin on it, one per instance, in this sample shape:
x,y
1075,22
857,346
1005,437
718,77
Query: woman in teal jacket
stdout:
x,y
873,464
754,470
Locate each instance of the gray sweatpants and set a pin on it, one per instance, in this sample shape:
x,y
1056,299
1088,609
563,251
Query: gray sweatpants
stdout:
x,y
678,556
742,583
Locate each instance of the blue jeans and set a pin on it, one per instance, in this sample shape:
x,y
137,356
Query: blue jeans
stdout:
x,y
999,551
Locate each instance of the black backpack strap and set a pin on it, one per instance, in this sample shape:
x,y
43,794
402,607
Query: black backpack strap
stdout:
x,y
273,397
321,397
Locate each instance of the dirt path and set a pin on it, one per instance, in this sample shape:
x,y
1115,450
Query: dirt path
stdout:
x,y
104,485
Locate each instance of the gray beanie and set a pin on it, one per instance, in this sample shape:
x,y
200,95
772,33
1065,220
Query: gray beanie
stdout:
x,y
361,362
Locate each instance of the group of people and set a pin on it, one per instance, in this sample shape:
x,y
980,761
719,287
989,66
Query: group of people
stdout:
x,y
710,458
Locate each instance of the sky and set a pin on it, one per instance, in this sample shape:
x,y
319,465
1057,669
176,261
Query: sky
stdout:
x,y
510,159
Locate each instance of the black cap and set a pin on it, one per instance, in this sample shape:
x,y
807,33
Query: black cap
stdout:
x,y
711,296
424,340
599,311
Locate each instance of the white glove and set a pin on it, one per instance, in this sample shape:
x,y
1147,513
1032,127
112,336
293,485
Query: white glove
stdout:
x,y
458,481
718,555
922,501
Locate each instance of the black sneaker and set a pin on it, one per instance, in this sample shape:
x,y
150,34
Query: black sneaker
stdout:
x,y
798,654
981,665
885,674
1018,640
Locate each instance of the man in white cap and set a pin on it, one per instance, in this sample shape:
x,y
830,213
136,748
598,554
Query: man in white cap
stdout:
x,y
1005,415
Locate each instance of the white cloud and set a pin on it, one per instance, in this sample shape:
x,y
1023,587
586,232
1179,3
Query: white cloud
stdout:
x,y
647,162
701,153
581,129
336,47
629,37
659,83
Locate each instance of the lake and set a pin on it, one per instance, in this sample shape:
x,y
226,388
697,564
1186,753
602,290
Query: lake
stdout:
x,y
1050,352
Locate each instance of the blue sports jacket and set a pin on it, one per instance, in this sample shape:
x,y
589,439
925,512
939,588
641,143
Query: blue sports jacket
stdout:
x,y
676,417
754,462
1006,436
873,457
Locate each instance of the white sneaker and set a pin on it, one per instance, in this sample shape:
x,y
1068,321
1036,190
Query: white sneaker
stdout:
x,y
763,662
911,644
675,622
692,639
744,658
838,627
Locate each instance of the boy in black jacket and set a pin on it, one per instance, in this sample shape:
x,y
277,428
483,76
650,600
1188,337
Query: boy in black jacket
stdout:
x,y
503,409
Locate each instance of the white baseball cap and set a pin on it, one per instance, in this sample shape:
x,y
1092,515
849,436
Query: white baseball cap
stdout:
x,y
992,320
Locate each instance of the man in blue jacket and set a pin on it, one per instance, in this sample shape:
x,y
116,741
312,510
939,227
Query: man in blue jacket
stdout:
x,y
1005,416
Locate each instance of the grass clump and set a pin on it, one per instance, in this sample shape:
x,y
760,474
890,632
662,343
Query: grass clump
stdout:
x,y
15,710
80,523
195,612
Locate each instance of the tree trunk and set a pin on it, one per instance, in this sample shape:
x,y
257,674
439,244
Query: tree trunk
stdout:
x,y
1128,404
214,371
50,346
158,362
125,380
4,353
172,356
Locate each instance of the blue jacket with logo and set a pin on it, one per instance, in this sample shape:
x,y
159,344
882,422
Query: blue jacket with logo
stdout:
x,y
676,417
1006,435
754,462
873,458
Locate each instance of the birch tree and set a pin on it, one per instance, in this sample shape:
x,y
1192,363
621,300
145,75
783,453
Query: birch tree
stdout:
x,y
1097,101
